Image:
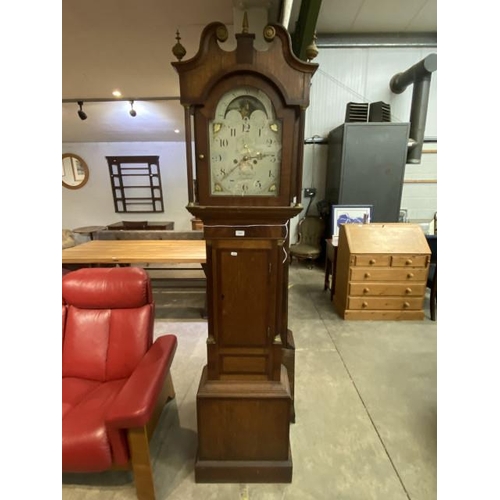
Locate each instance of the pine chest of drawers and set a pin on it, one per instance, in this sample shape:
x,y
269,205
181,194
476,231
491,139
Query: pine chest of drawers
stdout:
x,y
381,271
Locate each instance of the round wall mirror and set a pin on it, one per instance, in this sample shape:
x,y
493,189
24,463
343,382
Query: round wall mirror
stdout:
x,y
75,172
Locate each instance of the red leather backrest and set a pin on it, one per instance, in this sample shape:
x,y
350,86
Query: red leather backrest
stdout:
x,y
109,322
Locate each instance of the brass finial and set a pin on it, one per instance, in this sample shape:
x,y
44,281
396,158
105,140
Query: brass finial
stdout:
x,y
312,50
245,23
178,50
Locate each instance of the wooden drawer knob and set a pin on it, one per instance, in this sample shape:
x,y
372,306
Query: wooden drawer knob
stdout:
x,y
367,275
364,304
406,305
373,261
366,290
409,262
408,290
410,275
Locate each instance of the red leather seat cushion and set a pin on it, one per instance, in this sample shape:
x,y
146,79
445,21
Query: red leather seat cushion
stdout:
x,y
87,444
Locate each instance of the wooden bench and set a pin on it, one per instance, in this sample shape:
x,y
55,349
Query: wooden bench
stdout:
x,y
145,234
142,224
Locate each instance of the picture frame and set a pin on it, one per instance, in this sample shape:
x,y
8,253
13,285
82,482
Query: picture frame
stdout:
x,y
78,170
349,214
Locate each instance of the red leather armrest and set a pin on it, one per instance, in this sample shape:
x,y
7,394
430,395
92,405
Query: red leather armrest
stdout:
x,y
134,404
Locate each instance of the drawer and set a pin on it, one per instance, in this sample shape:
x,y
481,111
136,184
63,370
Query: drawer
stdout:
x,y
387,289
392,303
387,274
409,260
371,260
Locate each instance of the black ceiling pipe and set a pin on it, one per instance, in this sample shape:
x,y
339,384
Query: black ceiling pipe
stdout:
x,y
420,76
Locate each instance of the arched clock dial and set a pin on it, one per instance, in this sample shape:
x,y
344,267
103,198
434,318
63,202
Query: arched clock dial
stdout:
x,y
245,140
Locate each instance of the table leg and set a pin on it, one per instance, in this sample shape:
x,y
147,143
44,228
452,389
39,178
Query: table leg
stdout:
x,y
328,268
334,265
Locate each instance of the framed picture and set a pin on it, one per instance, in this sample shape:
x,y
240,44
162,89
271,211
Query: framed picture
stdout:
x,y
349,214
78,170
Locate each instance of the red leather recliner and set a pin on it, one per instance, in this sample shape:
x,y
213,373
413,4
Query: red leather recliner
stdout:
x,y
115,380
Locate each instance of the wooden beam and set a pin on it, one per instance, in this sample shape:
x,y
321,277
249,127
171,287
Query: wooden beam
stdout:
x,y
305,27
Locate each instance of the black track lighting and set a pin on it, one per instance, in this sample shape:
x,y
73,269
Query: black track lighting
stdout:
x,y
132,111
81,113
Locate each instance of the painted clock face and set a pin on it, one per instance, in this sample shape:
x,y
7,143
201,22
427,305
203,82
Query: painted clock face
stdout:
x,y
245,145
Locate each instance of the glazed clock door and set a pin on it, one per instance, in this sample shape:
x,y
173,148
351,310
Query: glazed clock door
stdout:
x,y
245,295
242,154
245,145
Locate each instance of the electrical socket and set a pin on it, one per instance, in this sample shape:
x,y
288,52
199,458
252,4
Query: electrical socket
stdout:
x,y
309,192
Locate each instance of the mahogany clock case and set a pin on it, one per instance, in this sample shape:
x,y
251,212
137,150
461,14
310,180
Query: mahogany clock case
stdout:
x,y
247,111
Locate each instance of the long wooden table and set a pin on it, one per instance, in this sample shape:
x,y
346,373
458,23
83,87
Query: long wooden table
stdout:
x,y
136,252
126,252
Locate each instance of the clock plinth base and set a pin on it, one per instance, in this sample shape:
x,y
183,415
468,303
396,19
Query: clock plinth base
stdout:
x,y
243,431
243,471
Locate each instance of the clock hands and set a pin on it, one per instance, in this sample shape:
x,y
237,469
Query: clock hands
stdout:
x,y
257,156
244,165
226,175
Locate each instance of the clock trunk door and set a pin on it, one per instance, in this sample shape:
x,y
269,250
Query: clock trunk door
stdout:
x,y
244,307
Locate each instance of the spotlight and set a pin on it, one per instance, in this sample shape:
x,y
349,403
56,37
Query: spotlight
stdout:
x,y
81,113
132,111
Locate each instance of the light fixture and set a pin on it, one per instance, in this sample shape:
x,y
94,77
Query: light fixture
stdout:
x,y
117,93
132,111
81,113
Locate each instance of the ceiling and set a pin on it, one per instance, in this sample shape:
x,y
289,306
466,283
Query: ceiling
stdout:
x,y
126,45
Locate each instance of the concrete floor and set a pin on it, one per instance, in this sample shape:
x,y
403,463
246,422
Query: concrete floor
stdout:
x,y
365,402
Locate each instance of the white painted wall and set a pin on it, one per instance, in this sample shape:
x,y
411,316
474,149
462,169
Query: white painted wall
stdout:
x,y
93,204
344,75
363,75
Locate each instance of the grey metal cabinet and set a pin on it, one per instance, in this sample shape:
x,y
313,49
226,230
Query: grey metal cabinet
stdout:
x,y
366,165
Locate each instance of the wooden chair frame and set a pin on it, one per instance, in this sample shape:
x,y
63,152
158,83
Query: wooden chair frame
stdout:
x,y
139,439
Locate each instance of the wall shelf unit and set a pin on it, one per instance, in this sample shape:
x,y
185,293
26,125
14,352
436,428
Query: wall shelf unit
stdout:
x,y
136,184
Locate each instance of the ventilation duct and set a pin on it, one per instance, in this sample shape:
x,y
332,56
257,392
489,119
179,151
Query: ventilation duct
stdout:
x,y
379,112
356,112
420,76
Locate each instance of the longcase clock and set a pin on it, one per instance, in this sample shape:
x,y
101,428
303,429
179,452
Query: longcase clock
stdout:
x,y
246,109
